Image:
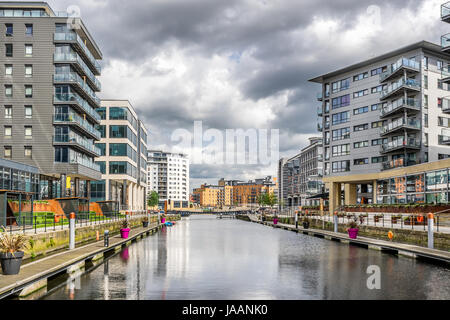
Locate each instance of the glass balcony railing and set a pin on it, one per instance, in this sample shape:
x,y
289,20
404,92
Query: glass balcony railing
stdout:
x,y
410,83
74,117
75,57
402,142
444,139
74,97
319,111
400,103
402,62
445,41
398,163
399,123
74,77
75,138
73,36
445,104
319,127
445,11
319,96
78,158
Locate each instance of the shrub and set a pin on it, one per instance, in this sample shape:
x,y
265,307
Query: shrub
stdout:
x,y
10,243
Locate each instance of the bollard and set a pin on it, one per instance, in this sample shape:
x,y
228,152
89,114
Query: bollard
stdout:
x,y
72,231
296,220
430,231
335,222
106,238
97,235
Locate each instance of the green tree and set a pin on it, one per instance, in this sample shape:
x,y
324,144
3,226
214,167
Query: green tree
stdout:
x,y
152,199
270,199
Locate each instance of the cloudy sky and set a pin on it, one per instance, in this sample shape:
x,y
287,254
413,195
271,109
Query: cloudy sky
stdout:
x,y
240,63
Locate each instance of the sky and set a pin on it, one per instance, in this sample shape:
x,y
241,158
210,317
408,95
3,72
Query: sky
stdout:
x,y
240,63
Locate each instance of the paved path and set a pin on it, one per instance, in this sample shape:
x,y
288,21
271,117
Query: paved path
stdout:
x,y
384,245
45,267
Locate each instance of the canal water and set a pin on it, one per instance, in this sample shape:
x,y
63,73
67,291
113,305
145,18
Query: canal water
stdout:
x,y
203,257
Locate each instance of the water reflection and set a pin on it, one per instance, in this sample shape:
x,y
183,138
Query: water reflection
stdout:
x,y
207,258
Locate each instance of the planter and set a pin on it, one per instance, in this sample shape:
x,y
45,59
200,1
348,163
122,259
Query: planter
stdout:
x,y
377,218
124,233
144,224
11,262
163,220
275,221
394,219
352,233
305,225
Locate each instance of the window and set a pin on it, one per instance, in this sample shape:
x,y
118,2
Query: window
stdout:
x,y
341,117
378,88
8,90
327,89
340,85
327,106
29,29
439,102
102,112
341,166
340,102
361,127
102,165
8,152
425,101
28,70
379,70
8,50
358,162
379,159
443,156
426,140
28,91
61,154
425,120
361,144
425,62
8,112
380,141
28,132
8,69
8,29
27,152
360,110
28,112
102,129
439,64
341,134
341,150
28,50
443,122
425,82
440,84
377,124
361,76
360,93
8,131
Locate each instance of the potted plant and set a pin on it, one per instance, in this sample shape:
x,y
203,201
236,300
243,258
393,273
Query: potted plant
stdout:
x,y
11,252
305,223
352,229
395,217
145,222
125,230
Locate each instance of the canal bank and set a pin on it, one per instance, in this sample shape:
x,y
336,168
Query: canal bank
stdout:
x,y
370,243
34,276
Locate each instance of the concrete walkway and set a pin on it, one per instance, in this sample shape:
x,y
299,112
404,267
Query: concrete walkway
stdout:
x,y
400,248
61,262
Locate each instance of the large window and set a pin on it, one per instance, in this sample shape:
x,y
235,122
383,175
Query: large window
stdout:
x,y
102,112
340,85
341,117
122,149
340,134
341,166
340,102
102,147
360,93
360,110
361,76
118,113
360,144
102,129
361,127
362,161
122,167
341,150
61,154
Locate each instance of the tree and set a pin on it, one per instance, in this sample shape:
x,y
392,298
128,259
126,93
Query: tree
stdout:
x,y
152,199
271,199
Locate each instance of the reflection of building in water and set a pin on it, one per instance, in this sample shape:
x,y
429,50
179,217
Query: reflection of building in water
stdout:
x,y
178,240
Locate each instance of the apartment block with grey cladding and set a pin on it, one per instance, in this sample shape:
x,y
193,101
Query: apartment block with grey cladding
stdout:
x,y
386,112
123,159
48,96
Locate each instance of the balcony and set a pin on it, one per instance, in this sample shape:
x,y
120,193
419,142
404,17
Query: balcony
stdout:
x,y
319,127
445,12
410,143
75,100
445,43
319,96
74,140
75,59
396,88
398,163
77,158
319,111
408,124
397,68
444,139
445,104
399,105
75,39
445,75
72,118
83,88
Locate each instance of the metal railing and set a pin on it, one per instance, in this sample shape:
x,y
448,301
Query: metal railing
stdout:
x,y
410,83
74,77
399,123
74,97
402,62
74,117
398,104
72,137
75,57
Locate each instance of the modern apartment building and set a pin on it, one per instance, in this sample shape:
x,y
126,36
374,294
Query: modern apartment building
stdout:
x,y
171,171
48,88
386,112
301,175
123,159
